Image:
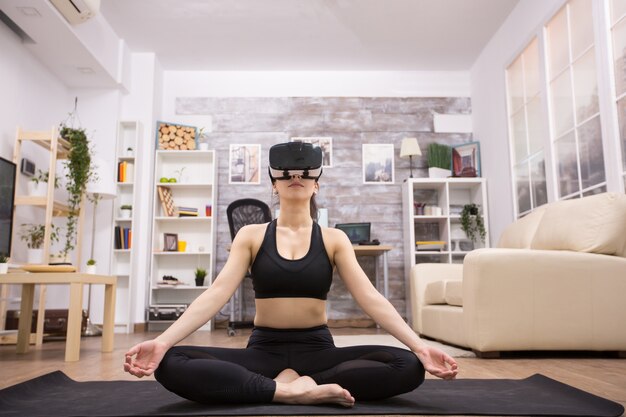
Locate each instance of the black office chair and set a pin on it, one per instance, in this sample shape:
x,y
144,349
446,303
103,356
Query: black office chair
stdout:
x,y
240,213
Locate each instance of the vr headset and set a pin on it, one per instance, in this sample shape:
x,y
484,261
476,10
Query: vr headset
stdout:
x,y
295,158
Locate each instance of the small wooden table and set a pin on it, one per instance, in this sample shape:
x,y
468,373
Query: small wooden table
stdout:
x,y
76,282
377,250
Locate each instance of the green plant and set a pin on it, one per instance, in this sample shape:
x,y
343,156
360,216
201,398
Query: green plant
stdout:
x,y
3,258
91,262
129,149
200,273
126,207
43,177
33,234
472,222
439,156
79,172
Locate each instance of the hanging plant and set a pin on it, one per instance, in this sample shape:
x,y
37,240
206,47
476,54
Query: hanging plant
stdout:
x,y
472,223
79,172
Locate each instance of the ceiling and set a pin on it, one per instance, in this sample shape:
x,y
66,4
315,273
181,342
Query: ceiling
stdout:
x,y
313,35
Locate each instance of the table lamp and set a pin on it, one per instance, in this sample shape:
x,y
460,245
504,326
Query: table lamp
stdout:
x,y
99,187
410,148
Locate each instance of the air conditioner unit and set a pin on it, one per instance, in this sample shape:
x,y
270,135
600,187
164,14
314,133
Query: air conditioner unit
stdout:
x,y
77,11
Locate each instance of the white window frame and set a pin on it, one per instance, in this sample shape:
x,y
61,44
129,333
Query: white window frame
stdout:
x,y
614,171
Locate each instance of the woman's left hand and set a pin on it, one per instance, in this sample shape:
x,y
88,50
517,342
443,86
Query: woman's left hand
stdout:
x,y
438,363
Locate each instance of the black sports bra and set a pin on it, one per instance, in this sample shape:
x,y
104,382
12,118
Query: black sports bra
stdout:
x,y
276,277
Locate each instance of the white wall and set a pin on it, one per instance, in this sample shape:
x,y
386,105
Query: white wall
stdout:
x,y
315,84
304,84
31,96
142,103
488,94
36,100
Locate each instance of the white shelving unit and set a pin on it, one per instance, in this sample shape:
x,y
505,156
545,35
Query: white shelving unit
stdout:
x,y
441,201
122,259
431,209
195,187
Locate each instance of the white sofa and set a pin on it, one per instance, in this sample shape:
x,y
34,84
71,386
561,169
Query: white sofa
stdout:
x,y
557,281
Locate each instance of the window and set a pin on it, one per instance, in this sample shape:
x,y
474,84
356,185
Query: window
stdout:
x,y
526,129
573,102
618,33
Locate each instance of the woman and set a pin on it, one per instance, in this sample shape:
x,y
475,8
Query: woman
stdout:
x,y
290,357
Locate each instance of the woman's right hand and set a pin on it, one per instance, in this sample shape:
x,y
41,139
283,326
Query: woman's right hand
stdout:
x,y
144,358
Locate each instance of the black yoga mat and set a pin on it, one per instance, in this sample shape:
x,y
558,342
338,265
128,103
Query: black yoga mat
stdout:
x,y
55,394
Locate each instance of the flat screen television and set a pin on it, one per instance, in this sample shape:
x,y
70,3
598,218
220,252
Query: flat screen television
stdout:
x,y
7,195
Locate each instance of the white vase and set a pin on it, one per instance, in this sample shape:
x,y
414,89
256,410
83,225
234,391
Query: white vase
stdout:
x,y
34,256
91,269
203,146
4,268
38,189
434,172
126,213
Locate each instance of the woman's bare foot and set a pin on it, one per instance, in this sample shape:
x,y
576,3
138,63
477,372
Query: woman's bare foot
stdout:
x,y
304,390
287,375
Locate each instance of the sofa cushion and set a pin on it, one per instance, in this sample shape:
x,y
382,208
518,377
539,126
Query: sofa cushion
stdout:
x,y
519,234
454,293
594,224
435,292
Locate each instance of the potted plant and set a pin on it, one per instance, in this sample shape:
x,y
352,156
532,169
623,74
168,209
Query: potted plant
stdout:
x,y
126,210
129,151
200,275
203,143
33,235
180,174
439,160
38,184
4,263
472,223
79,172
91,267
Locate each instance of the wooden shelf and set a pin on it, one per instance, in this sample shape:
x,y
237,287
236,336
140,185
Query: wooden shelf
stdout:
x,y
59,209
42,138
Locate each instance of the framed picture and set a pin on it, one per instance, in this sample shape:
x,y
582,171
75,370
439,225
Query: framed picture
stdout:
x,y
326,143
378,163
466,160
170,242
245,164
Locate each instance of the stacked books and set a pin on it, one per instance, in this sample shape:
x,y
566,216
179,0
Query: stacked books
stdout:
x,y
125,171
123,237
429,245
187,211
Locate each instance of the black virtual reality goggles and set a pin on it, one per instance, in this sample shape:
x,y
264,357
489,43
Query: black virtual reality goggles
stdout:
x,y
295,158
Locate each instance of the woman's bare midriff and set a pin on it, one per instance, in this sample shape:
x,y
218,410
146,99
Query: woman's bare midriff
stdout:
x,y
290,313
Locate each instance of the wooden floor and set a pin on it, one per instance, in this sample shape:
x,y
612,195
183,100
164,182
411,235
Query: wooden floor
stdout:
x,y
605,377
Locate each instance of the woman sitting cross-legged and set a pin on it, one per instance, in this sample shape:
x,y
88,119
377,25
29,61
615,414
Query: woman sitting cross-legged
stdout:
x,y
290,356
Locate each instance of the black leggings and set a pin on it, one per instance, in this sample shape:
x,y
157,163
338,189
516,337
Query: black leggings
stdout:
x,y
226,375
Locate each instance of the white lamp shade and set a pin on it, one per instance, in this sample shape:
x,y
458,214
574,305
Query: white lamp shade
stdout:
x,y
409,147
102,183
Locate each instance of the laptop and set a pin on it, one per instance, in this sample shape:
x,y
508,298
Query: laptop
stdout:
x,y
357,232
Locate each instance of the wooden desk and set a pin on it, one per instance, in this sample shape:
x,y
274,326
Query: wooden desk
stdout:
x,y
74,320
377,250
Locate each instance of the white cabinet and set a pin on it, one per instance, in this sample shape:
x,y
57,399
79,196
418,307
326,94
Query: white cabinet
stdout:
x,y
123,264
187,181
432,219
